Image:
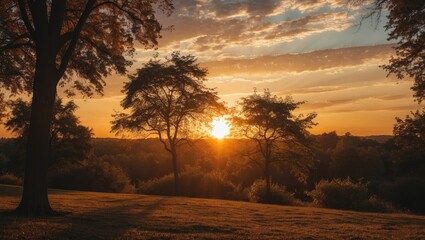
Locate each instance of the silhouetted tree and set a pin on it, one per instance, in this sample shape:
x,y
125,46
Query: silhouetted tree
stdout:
x,y
406,24
357,158
327,141
410,132
44,43
409,138
69,141
279,135
164,99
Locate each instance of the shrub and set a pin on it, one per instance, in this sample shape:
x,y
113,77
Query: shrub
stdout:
x,y
10,179
278,194
340,194
348,195
193,183
377,204
407,193
97,175
158,186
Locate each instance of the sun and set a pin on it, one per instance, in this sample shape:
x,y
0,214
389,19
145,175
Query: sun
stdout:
x,y
220,128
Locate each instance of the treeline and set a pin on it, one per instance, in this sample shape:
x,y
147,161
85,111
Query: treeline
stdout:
x,y
345,172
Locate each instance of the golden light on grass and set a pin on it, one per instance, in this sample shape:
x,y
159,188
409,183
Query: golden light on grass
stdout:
x,y
220,128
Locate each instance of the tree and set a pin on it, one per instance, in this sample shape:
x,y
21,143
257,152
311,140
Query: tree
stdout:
x,y
410,132
69,140
46,43
268,121
406,24
356,158
409,138
164,99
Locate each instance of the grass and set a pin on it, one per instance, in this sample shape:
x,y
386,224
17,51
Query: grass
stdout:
x,y
128,216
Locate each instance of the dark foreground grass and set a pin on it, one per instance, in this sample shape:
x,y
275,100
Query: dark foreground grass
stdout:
x,y
127,216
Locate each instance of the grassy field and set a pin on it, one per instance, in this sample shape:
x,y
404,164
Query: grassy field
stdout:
x,y
127,216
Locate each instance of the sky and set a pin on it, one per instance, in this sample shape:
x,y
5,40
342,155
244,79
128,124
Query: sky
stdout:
x,y
312,50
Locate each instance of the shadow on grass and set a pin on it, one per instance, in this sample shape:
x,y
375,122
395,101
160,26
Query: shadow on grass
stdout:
x,y
94,216
108,223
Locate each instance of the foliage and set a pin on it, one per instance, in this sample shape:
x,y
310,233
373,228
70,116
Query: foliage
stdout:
x,y
279,135
410,132
10,179
409,140
165,99
340,194
271,117
194,183
90,39
269,122
377,204
348,195
93,175
406,193
327,141
406,21
70,141
356,158
278,194
144,160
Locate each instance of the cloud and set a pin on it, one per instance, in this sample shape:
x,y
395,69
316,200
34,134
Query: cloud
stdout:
x,y
211,26
296,63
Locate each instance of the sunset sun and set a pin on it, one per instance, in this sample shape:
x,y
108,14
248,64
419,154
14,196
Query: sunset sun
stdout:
x,y
220,128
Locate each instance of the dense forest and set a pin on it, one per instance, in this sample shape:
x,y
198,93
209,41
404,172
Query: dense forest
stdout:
x,y
345,172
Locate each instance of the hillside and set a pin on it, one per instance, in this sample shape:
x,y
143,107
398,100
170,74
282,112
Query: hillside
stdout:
x,y
127,216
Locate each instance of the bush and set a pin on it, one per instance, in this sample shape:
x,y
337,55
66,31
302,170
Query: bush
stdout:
x,y
278,194
193,183
97,175
348,195
407,193
377,204
340,194
10,179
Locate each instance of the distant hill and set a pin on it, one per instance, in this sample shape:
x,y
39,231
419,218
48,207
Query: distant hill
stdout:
x,y
379,138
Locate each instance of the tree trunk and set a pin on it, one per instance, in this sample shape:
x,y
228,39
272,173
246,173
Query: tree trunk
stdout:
x,y
35,200
176,173
268,182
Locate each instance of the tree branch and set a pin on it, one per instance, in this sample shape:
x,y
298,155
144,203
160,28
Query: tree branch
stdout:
x,y
75,37
163,141
25,18
14,44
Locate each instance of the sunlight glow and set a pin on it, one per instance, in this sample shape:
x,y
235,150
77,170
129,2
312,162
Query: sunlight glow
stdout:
x,y
220,128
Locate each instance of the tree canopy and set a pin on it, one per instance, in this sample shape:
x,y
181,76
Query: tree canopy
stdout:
x,y
167,98
70,141
409,140
99,33
411,131
279,135
406,24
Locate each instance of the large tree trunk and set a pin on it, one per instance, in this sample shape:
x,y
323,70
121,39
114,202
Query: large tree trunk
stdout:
x,y
176,172
35,200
